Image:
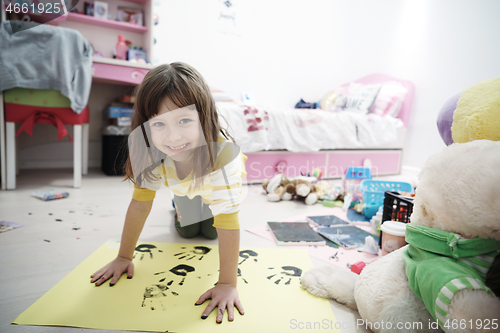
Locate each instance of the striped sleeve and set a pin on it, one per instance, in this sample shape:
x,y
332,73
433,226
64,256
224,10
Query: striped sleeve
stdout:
x,y
226,194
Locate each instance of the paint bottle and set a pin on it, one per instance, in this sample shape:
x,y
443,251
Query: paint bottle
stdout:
x,y
121,48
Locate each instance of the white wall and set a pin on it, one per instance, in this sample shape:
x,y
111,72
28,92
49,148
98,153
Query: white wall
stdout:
x,y
284,50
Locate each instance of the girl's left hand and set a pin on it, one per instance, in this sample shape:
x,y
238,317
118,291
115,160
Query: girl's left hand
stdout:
x,y
222,296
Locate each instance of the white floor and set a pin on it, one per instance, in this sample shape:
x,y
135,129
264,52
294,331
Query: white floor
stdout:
x,y
37,256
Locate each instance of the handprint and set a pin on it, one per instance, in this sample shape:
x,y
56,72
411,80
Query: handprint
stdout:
x,y
179,270
154,293
246,254
145,248
198,251
288,271
239,275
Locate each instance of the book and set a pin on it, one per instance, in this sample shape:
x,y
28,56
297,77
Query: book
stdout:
x,y
51,194
326,220
348,236
295,233
6,226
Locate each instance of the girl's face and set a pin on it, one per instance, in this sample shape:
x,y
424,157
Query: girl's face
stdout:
x,y
176,131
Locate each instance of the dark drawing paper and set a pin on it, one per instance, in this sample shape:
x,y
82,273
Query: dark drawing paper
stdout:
x,y
327,220
295,233
347,236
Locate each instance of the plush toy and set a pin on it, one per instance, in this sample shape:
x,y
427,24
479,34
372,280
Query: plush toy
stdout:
x,y
281,188
447,277
275,188
304,189
473,114
442,278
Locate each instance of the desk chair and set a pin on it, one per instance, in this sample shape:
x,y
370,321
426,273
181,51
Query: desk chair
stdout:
x,y
30,106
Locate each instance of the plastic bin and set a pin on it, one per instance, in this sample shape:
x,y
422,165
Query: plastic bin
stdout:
x,y
114,154
373,193
396,208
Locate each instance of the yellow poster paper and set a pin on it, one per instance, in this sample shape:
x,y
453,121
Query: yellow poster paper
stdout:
x,y
169,279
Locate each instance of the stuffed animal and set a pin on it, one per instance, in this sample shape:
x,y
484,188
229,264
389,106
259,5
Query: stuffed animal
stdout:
x,y
275,188
281,188
440,281
448,275
304,189
473,114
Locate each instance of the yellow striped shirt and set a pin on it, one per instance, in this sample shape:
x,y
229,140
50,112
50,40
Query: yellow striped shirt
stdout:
x,y
223,193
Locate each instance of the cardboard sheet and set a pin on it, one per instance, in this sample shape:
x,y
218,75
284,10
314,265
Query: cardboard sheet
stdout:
x,y
168,280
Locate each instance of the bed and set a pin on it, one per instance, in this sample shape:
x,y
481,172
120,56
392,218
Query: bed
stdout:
x,y
296,141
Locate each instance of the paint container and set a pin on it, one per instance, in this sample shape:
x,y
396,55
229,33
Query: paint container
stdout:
x,y
393,236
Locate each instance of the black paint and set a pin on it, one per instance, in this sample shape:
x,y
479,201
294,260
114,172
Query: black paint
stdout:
x,y
246,254
288,271
146,248
198,250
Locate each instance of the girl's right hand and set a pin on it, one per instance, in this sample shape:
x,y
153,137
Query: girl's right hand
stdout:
x,y
114,269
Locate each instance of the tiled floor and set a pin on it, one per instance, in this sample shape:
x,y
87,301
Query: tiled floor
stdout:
x,y
37,256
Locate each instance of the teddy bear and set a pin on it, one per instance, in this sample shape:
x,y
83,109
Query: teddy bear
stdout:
x,y
281,188
275,188
447,275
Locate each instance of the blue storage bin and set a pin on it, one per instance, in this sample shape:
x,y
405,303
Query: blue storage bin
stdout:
x,y
373,193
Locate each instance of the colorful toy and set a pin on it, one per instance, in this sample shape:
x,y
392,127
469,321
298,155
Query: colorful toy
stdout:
x,y
473,114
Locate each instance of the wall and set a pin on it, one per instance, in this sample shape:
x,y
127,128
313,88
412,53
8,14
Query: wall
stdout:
x,y
281,51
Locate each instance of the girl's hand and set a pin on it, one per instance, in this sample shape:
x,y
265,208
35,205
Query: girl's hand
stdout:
x,y
114,269
222,296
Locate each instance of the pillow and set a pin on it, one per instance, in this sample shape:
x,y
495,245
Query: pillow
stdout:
x,y
361,97
220,96
389,99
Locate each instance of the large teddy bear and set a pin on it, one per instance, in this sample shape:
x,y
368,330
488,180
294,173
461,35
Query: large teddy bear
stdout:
x,y
456,218
447,278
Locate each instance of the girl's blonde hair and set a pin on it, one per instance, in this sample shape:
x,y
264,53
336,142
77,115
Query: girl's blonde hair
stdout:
x,y
184,86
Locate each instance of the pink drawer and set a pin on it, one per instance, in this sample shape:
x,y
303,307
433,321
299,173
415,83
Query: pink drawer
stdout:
x,y
118,74
333,164
384,162
261,166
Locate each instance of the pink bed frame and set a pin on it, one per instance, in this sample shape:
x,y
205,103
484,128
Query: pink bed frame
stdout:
x,y
333,163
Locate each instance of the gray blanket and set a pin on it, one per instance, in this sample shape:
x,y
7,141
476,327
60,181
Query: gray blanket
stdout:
x,y
46,57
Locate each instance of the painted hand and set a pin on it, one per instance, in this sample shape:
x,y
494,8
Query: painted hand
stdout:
x,y
223,296
114,269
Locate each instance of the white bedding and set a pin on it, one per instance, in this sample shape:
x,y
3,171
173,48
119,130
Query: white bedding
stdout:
x,y
257,128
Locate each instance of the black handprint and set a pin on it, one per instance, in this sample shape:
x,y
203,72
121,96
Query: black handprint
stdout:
x,y
179,270
145,248
288,271
198,250
246,254
161,290
156,291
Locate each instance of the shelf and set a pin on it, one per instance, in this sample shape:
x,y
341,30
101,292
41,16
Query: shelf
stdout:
x,y
118,62
86,19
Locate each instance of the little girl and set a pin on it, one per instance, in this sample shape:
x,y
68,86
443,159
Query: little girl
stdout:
x,y
177,140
